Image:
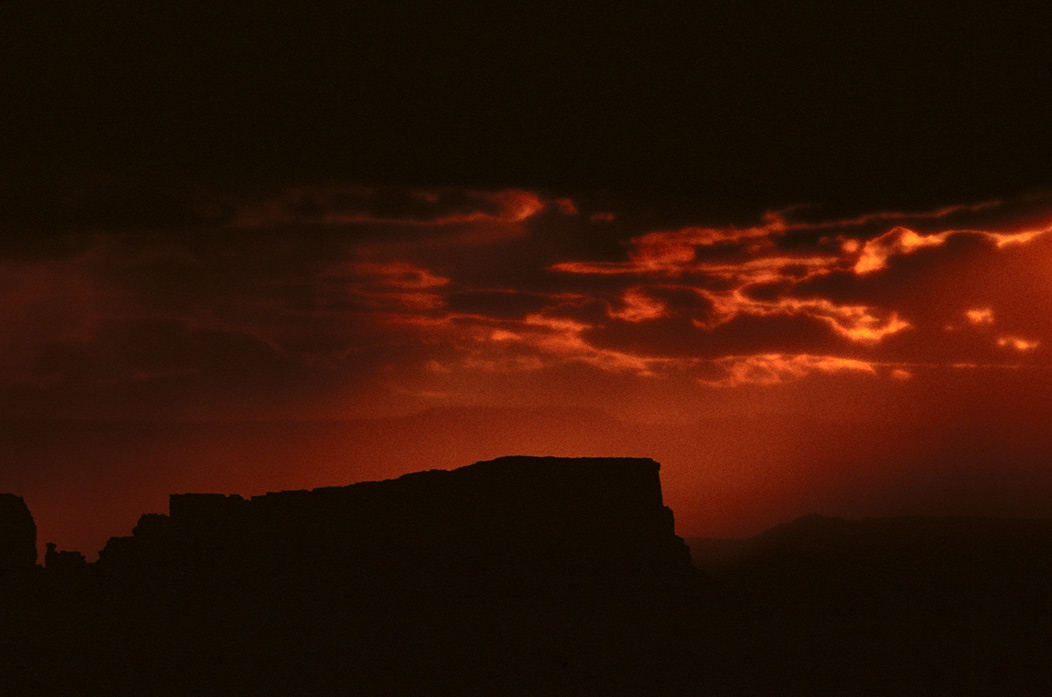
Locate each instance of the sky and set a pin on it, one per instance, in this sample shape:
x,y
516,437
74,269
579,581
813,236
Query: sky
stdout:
x,y
802,256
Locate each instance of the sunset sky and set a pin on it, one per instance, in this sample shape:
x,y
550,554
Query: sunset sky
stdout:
x,y
801,256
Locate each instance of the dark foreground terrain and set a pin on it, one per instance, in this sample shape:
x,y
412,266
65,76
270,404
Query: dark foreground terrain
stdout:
x,y
531,576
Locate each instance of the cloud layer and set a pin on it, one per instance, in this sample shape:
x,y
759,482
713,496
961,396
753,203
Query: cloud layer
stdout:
x,y
792,362
341,297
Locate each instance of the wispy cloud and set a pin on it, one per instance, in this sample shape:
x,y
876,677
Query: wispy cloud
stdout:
x,y
775,368
428,288
350,205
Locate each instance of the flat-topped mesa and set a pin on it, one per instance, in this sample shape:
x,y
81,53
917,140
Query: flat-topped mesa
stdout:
x,y
504,518
18,536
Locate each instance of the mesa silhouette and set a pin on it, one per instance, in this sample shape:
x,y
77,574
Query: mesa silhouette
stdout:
x,y
547,575
491,522
522,575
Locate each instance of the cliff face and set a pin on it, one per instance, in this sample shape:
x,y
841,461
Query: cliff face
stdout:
x,y
492,520
18,535
518,575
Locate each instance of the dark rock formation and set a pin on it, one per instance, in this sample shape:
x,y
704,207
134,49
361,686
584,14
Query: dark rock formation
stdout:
x,y
506,519
527,576
61,561
518,575
18,536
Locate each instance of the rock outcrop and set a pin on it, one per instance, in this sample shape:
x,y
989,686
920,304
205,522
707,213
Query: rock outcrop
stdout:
x,y
61,561
493,521
536,576
519,575
18,536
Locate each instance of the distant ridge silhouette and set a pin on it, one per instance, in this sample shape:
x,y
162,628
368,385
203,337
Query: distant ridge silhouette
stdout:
x,y
522,575
913,605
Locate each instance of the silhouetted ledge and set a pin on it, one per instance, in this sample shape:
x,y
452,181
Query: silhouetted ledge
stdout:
x,y
527,576
18,536
521,518
519,575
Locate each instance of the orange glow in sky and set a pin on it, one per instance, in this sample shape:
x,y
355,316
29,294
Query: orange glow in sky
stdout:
x,y
328,335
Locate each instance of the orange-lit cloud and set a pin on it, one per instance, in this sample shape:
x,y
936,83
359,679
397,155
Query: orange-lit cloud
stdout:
x,y
1017,343
563,340
670,248
782,268
393,274
566,206
853,322
775,369
638,307
980,315
897,241
390,285
901,241
384,294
